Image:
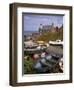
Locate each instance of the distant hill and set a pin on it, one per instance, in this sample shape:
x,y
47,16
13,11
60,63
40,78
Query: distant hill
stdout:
x,y
51,35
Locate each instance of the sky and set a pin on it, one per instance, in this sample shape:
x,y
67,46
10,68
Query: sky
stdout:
x,y
33,21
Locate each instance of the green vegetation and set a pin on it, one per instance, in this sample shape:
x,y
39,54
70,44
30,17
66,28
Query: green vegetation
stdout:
x,y
28,65
51,36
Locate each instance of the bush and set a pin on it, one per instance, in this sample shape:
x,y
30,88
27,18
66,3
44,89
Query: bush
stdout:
x,y
28,66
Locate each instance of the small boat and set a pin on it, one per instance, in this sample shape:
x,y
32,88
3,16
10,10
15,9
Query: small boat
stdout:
x,y
55,56
46,63
57,42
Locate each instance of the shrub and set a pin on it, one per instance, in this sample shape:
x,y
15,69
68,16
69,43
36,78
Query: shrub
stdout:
x,y
28,66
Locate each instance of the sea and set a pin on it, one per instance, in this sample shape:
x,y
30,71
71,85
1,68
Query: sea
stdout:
x,y
29,32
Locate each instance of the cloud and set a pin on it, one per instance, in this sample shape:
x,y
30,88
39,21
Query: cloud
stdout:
x,y
32,22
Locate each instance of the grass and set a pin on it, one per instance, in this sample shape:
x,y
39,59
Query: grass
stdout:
x,y
51,36
28,66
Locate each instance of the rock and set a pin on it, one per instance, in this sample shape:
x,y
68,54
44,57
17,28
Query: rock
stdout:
x,y
38,65
43,55
48,57
36,56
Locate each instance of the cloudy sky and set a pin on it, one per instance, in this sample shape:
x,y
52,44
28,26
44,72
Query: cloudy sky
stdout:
x,y
32,21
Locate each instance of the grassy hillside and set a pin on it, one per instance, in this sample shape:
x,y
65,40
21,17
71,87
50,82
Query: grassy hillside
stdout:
x,y
51,36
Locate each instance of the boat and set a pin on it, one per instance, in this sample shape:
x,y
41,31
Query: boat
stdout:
x,y
57,42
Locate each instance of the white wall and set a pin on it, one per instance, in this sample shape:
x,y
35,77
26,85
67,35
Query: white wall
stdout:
x,y
4,46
